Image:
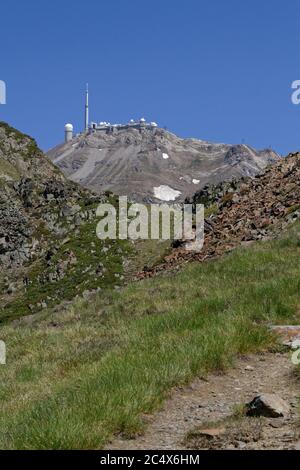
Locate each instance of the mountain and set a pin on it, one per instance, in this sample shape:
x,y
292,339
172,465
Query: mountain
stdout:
x,y
153,165
49,251
96,373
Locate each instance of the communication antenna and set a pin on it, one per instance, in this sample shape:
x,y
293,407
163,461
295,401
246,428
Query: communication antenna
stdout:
x,y
87,108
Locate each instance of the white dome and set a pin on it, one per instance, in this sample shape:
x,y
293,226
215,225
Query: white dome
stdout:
x,y
69,127
143,120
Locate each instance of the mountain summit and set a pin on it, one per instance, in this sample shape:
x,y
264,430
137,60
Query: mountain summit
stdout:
x,y
152,164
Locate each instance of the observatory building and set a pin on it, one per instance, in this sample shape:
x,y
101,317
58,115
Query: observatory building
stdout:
x,y
104,126
132,124
68,132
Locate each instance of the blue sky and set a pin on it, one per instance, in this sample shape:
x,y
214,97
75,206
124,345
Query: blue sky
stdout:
x,y
216,70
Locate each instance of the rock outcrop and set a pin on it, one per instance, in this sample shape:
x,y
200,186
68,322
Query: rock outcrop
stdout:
x,y
35,198
268,405
49,251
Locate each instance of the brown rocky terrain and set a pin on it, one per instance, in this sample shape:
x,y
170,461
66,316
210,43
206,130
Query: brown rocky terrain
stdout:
x,y
154,165
242,211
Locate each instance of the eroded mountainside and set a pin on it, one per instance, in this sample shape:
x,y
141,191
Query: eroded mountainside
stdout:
x,y
153,165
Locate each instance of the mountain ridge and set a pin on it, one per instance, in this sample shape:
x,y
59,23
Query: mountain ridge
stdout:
x,y
154,165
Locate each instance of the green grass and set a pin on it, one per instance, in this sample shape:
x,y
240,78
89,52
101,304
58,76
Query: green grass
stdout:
x,y
76,377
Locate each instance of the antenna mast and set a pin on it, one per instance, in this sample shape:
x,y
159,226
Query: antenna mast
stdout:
x,y
87,108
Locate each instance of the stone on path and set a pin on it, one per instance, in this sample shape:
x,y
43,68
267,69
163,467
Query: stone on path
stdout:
x,y
268,405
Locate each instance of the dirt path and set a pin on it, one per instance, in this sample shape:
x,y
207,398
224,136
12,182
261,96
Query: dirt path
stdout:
x,y
216,399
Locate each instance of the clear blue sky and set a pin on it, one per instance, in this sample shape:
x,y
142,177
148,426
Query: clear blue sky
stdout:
x,y
211,69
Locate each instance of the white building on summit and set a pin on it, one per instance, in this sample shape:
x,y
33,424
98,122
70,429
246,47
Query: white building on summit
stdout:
x,y
68,132
108,127
105,126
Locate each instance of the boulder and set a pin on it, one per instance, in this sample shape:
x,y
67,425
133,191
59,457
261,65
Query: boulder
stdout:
x,y
268,405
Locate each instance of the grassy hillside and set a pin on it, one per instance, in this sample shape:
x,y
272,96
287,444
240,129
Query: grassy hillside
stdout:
x,y
74,378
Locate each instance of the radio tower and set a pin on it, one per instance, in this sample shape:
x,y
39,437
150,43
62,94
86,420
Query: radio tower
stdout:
x,y
87,108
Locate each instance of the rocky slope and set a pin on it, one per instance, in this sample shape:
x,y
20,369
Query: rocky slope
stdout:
x,y
153,165
244,210
49,251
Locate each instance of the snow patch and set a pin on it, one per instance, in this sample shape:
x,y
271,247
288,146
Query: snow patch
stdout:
x,y
165,156
196,181
165,193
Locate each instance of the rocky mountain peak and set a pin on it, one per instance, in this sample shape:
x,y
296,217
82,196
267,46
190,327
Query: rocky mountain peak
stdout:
x,y
152,164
